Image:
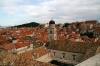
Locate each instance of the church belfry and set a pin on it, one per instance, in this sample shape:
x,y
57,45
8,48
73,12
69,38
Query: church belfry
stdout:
x,y
52,31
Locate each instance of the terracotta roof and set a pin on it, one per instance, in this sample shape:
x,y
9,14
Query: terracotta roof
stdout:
x,y
19,60
88,21
9,32
71,39
97,30
33,29
19,45
74,35
23,61
80,41
8,46
5,42
22,41
19,36
66,45
37,52
76,47
33,41
78,22
85,24
98,41
39,31
93,39
90,52
26,33
2,31
98,50
1,38
6,57
61,37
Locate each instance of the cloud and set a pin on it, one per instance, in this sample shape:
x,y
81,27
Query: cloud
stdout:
x,y
52,10
65,10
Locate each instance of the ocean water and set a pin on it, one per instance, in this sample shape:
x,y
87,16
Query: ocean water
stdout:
x,y
3,26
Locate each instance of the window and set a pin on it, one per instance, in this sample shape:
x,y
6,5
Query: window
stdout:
x,y
63,55
54,53
74,57
50,31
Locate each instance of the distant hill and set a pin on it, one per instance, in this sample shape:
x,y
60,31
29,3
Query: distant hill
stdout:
x,y
32,24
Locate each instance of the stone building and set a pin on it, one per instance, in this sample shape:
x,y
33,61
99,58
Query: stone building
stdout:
x,y
71,52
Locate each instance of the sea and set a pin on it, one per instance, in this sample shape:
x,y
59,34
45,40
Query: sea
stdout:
x,y
3,26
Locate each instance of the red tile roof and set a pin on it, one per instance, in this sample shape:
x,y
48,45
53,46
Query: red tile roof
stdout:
x,y
39,31
93,39
98,41
5,42
61,37
74,35
71,39
19,45
26,33
2,31
38,52
88,21
85,24
8,46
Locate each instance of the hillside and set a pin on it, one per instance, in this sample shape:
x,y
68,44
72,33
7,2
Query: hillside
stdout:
x,y
32,24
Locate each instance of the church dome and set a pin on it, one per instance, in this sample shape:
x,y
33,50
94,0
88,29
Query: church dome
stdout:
x,y
52,22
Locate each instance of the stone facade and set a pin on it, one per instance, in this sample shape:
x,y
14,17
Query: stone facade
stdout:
x,y
51,32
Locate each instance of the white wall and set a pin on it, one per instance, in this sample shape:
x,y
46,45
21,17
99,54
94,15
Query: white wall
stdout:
x,y
45,58
14,41
52,36
68,55
51,25
24,49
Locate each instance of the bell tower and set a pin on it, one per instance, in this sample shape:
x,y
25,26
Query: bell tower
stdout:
x,y
52,31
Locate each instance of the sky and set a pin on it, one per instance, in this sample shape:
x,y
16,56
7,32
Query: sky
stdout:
x,y
16,12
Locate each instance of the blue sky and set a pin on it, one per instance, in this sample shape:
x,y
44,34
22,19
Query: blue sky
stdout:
x,y
15,12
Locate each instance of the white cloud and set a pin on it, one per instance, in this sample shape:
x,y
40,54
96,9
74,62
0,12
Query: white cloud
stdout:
x,y
68,10
63,17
